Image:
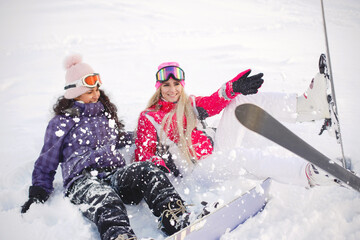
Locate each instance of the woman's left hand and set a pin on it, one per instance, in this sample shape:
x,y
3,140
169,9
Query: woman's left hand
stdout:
x,y
247,85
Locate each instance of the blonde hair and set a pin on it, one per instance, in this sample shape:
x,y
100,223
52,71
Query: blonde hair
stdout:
x,y
183,109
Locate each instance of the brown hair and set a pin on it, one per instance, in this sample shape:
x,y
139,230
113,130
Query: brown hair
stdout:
x,y
63,104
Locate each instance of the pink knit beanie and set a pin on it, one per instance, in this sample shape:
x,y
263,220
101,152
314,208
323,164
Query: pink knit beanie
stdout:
x,y
75,70
166,64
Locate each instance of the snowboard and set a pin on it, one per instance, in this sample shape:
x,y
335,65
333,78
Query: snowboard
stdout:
x,y
227,217
261,122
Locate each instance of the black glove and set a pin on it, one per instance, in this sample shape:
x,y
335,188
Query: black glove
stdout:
x,y
36,194
248,85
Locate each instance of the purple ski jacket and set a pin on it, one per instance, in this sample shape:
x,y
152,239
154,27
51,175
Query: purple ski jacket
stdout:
x,y
89,140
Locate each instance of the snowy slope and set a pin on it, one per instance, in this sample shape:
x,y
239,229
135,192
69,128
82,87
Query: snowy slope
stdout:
x,y
213,41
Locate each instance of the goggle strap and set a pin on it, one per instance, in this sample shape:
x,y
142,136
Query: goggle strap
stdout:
x,y
70,86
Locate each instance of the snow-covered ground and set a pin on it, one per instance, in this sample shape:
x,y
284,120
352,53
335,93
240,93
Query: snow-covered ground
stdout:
x,y
213,40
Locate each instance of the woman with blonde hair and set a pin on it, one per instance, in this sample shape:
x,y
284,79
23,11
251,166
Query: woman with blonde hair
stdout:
x,y
169,133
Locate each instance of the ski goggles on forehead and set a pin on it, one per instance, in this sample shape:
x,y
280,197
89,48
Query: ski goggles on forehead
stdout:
x,y
90,80
165,73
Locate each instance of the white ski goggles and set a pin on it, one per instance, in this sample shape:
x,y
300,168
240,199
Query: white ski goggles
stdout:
x,y
91,80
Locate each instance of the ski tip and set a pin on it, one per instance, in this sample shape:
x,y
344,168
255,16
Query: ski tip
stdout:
x,y
248,114
245,108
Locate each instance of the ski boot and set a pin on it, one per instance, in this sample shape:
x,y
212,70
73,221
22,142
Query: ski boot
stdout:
x,y
318,177
174,218
313,104
125,237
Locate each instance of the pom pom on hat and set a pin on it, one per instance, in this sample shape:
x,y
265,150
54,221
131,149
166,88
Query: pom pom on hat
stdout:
x,y
75,70
72,60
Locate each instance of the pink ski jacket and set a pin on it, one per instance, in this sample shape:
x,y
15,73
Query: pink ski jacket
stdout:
x,y
147,136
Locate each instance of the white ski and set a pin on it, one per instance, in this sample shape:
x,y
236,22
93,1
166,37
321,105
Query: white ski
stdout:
x,y
227,217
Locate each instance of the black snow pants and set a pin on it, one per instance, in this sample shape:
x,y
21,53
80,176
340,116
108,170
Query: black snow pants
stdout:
x,y
102,200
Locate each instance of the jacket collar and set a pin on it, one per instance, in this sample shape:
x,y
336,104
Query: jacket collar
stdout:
x,y
166,106
89,109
